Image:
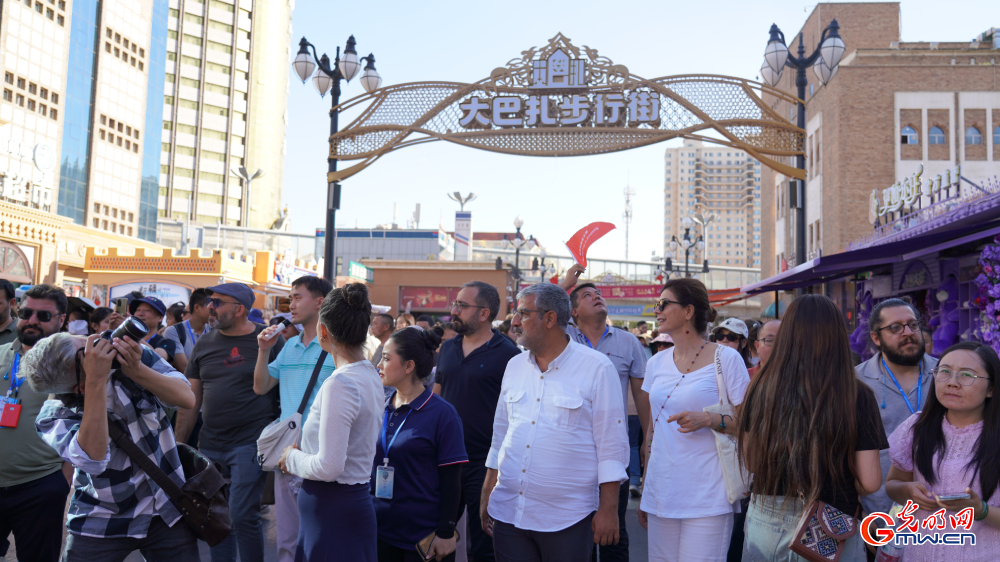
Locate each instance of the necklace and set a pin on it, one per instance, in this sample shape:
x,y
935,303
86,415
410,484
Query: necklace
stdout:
x,y
652,429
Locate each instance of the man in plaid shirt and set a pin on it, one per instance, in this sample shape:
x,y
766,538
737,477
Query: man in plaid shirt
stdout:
x,y
116,507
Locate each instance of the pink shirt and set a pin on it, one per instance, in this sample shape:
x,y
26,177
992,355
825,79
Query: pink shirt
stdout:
x,y
952,478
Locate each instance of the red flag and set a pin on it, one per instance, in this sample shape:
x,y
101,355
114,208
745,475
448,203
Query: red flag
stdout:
x,y
554,280
580,242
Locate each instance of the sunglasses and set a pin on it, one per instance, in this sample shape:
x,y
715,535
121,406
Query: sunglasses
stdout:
x,y
664,303
730,337
42,315
217,303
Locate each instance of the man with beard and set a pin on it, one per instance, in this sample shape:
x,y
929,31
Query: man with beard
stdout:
x,y
8,324
221,371
900,374
33,489
469,374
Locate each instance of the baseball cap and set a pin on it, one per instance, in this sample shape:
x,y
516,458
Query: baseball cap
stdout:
x,y
243,294
154,302
734,325
662,338
256,316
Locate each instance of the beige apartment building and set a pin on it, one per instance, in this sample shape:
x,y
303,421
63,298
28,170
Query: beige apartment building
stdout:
x,y
717,180
891,108
225,107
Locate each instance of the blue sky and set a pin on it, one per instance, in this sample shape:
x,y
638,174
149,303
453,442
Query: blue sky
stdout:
x,y
464,41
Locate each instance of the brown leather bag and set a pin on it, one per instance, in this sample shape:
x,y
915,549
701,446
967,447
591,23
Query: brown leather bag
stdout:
x,y
822,532
203,500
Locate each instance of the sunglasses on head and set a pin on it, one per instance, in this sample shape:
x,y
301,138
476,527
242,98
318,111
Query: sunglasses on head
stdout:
x,y
730,336
42,315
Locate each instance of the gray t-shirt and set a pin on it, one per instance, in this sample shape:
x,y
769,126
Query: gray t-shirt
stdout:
x,y
191,337
233,414
623,349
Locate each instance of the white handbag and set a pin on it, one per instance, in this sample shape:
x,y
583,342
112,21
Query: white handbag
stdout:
x,y
280,434
736,478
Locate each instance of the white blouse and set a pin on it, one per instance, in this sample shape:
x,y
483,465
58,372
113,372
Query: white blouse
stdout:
x,y
684,477
339,436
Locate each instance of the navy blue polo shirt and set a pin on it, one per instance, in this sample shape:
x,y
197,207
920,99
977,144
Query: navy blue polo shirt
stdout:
x,y
472,385
430,438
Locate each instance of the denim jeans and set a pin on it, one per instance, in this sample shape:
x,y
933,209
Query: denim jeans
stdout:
x,y
245,491
634,441
771,526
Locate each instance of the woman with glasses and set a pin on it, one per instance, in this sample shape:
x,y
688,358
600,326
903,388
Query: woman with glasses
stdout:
x,y
684,503
952,448
734,333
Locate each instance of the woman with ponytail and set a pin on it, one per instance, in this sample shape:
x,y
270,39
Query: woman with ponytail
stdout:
x,y
416,481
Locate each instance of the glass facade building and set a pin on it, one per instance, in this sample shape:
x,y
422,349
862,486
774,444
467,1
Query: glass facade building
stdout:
x,y
79,110
150,186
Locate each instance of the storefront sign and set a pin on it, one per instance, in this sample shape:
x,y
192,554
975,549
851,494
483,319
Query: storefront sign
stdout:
x,y
427,298
360,272
29,184
905,193
168,293
916,275
631,310
630,291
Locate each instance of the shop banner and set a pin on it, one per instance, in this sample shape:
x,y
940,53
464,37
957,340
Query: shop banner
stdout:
x,y
580,242
168,293
425,299
631,310
630,291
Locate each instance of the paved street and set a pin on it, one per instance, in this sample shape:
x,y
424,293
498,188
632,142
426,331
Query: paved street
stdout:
x,y
637,537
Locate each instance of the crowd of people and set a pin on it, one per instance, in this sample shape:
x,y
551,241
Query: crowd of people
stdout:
x,y
735,435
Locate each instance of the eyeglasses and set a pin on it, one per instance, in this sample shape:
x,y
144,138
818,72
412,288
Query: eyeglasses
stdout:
x,y
27,313
463,305
520,312
216,303
965,378
897,328
767,341
730,336
664,303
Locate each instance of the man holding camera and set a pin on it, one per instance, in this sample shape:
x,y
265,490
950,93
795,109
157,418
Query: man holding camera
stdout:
x,y
117,508
33,490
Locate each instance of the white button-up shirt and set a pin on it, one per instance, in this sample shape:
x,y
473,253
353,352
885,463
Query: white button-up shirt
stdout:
x,y
557,435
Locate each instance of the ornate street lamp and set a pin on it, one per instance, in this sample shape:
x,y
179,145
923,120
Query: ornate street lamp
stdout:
x,y
686,243
518,243
327,77
825,61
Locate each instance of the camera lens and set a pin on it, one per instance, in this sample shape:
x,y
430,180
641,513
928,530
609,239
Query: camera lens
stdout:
x,y
132,327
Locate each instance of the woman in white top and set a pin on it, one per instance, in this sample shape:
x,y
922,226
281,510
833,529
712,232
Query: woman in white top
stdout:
x,y
336,514
684,504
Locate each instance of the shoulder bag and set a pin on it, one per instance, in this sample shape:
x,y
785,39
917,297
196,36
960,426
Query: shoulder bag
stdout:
x,y
202,500
281,434
736,479
822,532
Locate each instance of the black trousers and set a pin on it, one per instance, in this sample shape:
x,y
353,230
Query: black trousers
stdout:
x,y
617,552
390,553
572,544
480,544
34,511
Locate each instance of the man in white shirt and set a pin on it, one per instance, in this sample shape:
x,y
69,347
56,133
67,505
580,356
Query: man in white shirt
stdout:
x,y
559,432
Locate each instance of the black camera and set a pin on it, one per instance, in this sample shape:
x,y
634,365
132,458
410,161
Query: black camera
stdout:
x,y
132,328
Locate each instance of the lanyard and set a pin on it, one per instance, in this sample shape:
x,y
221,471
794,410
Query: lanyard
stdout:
x,y
385,422
15,382
590,345
920,384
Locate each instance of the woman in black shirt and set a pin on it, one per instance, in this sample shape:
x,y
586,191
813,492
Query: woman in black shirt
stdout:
x,y
809,432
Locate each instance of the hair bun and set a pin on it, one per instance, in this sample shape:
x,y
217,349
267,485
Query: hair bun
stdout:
x,y
356,295
431,340
712,314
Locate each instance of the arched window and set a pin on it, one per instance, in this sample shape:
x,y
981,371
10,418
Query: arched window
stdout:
x,y
910,136
996,136
936,136
973,136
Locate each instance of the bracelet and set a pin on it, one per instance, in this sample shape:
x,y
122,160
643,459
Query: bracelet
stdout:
x,y
986,511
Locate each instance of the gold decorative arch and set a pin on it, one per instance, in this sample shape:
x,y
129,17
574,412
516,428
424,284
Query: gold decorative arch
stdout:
x,y
563,100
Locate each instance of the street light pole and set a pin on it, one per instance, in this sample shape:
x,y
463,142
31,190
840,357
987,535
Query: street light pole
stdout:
x,y
517,242
687,222
327,78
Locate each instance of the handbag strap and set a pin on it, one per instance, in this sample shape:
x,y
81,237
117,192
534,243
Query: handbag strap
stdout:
x,y
719,381
312,382
126,444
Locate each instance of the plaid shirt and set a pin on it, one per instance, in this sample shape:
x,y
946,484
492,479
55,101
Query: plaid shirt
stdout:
x,y
112,496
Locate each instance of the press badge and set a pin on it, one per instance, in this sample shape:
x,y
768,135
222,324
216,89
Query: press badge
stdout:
x,y
383,482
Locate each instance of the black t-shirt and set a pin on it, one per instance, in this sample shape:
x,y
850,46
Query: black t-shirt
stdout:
x,y
472,385
871,436
233,414
160,342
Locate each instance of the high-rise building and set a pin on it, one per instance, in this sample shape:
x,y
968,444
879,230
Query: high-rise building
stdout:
x,y
225,107
717,180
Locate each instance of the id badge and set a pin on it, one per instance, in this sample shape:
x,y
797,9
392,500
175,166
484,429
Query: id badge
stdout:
x,y
383,482
12,412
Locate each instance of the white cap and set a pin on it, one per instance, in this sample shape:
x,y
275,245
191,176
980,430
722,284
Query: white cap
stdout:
x,y
734,325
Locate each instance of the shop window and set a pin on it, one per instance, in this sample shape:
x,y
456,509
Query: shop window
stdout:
x,y
973,136
910,136
936,136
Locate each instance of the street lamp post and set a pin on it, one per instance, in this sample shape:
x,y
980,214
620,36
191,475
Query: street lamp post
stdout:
x,y
687,243
328,77
518,243
825,60
244,174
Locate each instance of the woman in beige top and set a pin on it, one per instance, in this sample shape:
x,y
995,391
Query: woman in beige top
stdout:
x,y
336,514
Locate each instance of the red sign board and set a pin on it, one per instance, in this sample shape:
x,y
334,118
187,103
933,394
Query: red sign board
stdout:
x,y
427,299
630,291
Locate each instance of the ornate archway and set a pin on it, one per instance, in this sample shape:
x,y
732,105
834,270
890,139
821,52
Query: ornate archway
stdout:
x,y
564,100
14,264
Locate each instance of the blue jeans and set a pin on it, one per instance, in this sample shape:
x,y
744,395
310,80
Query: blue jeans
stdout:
x,y
245,491
770,528
634,442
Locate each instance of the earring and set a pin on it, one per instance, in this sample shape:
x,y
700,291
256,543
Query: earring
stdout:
x,y
687,331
